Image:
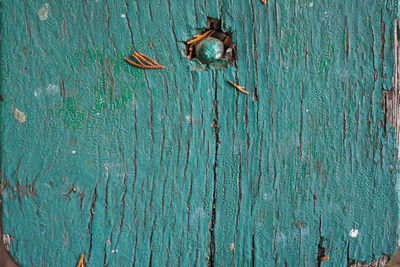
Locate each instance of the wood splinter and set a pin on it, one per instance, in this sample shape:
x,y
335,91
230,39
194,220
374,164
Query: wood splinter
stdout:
x,y
239,88
81,262
143,62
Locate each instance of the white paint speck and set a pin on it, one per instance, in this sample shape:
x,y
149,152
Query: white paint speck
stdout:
x,y
267,197
188,118
326,13
36,94
232,246
281,237
198,213
106,166
218,56
52,89
123,16
43,12
306,110
114,251
73,152
311,4
353,233
108,242
97,114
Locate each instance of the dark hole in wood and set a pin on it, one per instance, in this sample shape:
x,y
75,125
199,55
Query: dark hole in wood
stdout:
x,y
229,54
320,253
213,24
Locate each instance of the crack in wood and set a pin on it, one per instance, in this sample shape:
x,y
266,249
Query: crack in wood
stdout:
x,y
211,258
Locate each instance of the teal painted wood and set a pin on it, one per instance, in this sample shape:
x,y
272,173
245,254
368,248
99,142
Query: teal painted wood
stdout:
x,y
173,167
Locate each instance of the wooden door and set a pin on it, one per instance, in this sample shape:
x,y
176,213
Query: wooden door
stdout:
x,y
133,166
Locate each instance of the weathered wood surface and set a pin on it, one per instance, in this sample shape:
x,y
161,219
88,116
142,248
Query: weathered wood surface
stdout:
x,y
174,167
391,97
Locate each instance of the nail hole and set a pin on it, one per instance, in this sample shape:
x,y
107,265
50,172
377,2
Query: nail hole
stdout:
x,y
212,45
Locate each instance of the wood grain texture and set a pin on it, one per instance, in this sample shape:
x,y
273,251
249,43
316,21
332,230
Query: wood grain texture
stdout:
x,y
391,97
174,167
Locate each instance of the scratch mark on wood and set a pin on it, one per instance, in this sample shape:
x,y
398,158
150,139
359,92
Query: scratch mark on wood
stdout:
x,y
346,39
62,90
89,227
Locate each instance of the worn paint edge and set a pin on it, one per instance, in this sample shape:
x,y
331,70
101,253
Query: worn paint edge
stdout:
x,y
391,104
390,99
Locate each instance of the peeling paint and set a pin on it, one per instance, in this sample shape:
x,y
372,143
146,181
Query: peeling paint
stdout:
x,y
19,115
7,238
391,98
43,12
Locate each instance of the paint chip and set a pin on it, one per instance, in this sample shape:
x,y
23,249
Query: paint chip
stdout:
x,y
232,246
353,233
7,238
43,12
123,16
73,152
19,115
311,4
